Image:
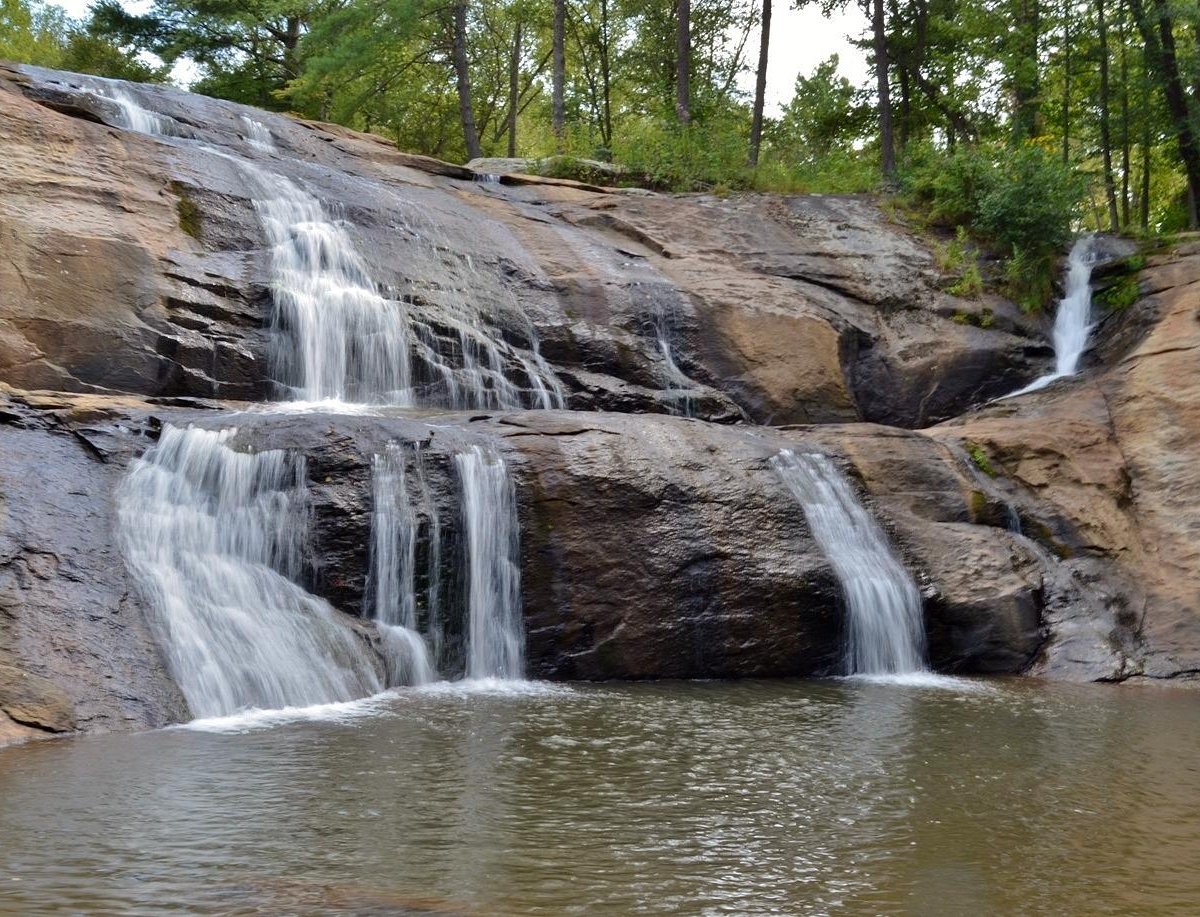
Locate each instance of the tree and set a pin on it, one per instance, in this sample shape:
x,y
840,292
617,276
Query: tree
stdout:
x,y
683,61
1157,26
887,142
560,69
462,73
760,84
1110,185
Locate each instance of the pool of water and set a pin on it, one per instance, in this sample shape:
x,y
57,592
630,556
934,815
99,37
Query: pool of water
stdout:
x,y
697,798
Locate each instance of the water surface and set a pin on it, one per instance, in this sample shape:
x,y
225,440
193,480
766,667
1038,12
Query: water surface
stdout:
x,y
841,797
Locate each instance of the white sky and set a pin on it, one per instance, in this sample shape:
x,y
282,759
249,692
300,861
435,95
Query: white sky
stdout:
x,y
800,39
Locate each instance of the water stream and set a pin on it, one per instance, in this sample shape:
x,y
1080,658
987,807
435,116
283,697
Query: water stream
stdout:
x,y
495,647
885,630
391,588
1072,320
214,537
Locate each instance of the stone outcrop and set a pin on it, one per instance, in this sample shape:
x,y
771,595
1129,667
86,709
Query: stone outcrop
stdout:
x,y
1053,533
651,546
135,263
1103,469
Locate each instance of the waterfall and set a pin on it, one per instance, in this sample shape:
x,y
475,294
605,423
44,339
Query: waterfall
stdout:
x,y
391,587
495,634
214,538
337,338
885,630
1072,320
132,115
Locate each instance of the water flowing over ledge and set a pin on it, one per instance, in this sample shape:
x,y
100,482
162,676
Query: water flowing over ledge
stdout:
x,y
885,631
215,537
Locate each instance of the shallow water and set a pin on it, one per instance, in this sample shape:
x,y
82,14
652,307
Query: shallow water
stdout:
x,y
702,798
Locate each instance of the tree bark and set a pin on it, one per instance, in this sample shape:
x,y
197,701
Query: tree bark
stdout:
x,y
887,141
683,62
1066,109
1144,201
1158,32
1110,185
462,72
559,76
1126,153
760,85
606,131
1025,79
514,91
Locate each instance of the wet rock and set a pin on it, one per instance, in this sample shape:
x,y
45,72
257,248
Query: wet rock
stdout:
x,y
137,264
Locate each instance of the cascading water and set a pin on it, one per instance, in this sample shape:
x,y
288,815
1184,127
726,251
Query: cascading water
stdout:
x,y
1072,321
214,537
391,589
338,339
495,635
885,631
133,116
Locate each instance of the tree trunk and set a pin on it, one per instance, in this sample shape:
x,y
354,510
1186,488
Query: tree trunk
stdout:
x,y
606,130
683,62
559,67
462,72
1126,153
1066,108
887,142
760,85
1110,186
1025,76
1158,32
514,91
1144,202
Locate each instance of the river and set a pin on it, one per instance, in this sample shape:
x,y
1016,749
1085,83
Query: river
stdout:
x,y
790,797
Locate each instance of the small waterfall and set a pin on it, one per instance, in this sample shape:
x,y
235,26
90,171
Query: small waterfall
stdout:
x,y
885,630
487,178
495,632
214,537
133,116
338,338
257,134
391,587
1072,320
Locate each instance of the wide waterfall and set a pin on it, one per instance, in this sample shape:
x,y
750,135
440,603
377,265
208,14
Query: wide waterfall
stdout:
x,y
215,538
495,634
391,588
885,632
1072,321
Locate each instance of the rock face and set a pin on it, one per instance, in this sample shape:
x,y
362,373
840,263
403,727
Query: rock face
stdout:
x,y
651,546
1052,533
1104,471
137,263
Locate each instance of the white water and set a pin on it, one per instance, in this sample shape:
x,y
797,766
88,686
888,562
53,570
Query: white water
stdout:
x,y
495,634
1072,320
133,116
338,338
391,587
215,540
885,630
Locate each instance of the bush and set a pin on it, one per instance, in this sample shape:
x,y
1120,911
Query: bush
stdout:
x,y
1022,201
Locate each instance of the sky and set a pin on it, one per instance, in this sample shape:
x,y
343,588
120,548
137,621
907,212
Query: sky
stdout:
x,y
800,39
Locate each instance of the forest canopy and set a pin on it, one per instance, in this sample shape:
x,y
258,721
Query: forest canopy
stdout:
x,y
1018,120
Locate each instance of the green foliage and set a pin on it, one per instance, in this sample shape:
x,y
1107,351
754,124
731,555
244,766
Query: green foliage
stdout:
x,y
684,158
959,259
979,458
1020,200
1121,295
186,210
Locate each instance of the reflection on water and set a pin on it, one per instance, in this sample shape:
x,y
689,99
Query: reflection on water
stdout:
x,y
708,798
